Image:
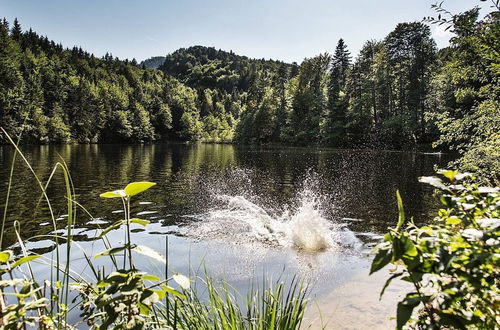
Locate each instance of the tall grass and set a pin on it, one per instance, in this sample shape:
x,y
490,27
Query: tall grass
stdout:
x,y
273,306
124,297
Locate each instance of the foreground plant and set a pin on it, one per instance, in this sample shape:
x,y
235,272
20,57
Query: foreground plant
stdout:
x,y
27,310
122,299
453,264
278,307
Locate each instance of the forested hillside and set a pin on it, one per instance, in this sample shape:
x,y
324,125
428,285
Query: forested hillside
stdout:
x,y
396,93
153,62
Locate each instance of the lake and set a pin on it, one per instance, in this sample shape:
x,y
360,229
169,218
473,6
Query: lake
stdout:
x,y
238,213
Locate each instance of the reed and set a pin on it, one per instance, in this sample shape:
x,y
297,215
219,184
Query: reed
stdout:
x,y
125,297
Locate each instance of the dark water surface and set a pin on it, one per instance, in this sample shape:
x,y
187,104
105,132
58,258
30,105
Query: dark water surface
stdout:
x,y
351,189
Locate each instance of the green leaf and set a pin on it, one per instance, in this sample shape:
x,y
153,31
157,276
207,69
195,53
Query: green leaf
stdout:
x,y
114,226
141,222
401,210
172,291
161,293
388,282
382,258
113,194
5,256
135,188
455,321
143,309
408,247
110,251
151,278
453,221
405,308
24,260
450,174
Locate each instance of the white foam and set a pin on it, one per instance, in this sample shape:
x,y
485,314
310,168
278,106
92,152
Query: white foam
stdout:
x,y
240,221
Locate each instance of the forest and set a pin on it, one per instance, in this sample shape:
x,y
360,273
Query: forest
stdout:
x,y
397,93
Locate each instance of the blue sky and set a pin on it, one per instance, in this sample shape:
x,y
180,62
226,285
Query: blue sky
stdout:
x,y
288,30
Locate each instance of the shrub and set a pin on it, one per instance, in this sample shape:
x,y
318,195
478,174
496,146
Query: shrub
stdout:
x,y
453,263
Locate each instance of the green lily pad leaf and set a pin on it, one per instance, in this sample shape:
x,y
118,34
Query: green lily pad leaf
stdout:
x,y
182,280
141,222
137,187
5,256
114,194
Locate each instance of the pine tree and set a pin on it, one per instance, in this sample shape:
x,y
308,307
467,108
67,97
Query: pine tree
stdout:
x,y
342,61
337,103
16,31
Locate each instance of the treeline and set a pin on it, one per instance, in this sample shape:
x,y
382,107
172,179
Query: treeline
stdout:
x,y
56,95
396,93
379,99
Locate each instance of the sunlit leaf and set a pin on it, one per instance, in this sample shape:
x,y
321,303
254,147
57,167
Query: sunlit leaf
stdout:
x,y
433,181
114,194
449,174
141,222
151,278
149,252
5,256
143,309
453,221
161,293
182,280
487,190
401,210
114,226
135,188
24,260
172,291
110,252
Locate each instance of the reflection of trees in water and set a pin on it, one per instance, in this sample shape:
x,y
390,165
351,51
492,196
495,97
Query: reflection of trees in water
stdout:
x,y
361,183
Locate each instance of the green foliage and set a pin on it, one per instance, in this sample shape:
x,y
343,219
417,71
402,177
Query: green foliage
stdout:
x,y
397,93
467,110
26,294
272,307
454,263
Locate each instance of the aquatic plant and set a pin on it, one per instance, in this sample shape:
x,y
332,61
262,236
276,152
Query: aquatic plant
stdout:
x,y
272,307
454,263
125,297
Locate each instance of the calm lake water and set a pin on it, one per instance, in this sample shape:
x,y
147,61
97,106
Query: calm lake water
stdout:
x,y
240,213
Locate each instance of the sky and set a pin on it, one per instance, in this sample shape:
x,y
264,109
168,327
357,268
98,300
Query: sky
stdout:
x,y
288,30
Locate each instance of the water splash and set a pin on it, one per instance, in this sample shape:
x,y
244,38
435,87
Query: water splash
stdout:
x,y
303,226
